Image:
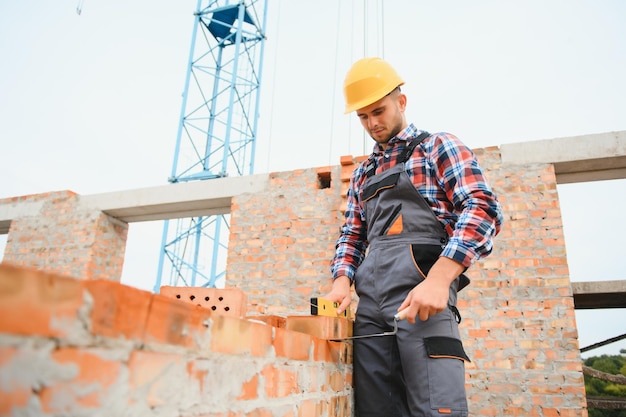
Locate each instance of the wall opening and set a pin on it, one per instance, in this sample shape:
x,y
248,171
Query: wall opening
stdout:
x,y
323,179
3,245
592,238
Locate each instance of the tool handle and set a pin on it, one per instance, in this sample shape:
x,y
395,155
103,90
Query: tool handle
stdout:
x,y
401,315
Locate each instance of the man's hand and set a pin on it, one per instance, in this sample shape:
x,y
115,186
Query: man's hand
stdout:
x,y
431,295
341,293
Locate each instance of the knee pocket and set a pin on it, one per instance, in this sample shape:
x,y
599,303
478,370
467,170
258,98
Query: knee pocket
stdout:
x,y
446,375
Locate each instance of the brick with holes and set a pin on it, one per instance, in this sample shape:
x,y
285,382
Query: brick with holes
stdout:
x,y
227,301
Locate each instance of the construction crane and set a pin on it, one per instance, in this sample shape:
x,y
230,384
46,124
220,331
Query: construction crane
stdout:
x,y
217,132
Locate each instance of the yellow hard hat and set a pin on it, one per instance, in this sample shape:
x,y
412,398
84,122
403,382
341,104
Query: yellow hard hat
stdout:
x,y
369,80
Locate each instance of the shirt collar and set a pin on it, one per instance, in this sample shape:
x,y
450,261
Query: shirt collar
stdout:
x,y
404,135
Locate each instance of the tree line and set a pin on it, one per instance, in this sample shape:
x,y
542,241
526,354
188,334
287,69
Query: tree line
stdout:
x,y
607,389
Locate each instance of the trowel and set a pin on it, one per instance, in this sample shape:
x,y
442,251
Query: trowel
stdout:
x,y
396,318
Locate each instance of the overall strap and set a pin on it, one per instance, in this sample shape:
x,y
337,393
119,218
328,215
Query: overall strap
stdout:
x,y
404,156
408,151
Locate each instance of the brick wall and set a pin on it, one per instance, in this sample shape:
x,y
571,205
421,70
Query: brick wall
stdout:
x,y
519,326
281,240
518,323
73,347
63,237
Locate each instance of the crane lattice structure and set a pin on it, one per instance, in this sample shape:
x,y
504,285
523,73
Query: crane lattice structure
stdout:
x,y
217,132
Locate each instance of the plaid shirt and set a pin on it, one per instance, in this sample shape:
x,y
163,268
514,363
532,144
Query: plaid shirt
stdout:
x,y
447,174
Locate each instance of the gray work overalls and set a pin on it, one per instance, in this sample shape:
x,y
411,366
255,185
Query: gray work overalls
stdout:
x,y
420,371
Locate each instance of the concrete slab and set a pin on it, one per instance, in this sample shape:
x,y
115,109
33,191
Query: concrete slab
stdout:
x,y
595,157
599,294
180,200
13,210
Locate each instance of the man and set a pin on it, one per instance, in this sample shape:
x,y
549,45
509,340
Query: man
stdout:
x,y
419,213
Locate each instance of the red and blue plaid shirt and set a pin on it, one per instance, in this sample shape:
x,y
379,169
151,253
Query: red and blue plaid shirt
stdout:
x,y
447,174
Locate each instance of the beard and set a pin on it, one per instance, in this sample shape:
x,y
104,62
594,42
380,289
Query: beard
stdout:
x,y
386,135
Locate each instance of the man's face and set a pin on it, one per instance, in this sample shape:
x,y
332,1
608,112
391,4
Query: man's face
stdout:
x,y
384,118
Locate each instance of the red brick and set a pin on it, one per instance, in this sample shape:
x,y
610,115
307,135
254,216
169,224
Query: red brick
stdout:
x,y
337,381
228,301
154,375
89,379
235,336
279,382
346,172
335,352
322,327
259,412
274,321
346,160
340,406
324,170
118,310
175,322
250,389
309,408
292,345
50,302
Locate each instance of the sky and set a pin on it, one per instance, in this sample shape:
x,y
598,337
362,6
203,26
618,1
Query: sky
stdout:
x,y
90,102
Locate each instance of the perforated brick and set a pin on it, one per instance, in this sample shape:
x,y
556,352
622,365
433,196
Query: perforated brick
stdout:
x,y
227,301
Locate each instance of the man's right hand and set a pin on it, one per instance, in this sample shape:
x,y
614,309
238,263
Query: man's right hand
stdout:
x,y
341,293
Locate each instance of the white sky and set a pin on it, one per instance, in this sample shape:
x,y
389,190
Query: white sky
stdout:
x,y
91,102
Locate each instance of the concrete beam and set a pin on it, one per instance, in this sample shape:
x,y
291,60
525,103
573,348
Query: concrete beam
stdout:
x,y
576,159
599,294
13,210
584,158
172,201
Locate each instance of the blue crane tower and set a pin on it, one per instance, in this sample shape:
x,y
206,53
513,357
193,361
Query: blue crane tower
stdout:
x,y
217,132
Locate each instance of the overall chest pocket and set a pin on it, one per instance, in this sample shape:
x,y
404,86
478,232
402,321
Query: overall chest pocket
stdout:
x,y
374,189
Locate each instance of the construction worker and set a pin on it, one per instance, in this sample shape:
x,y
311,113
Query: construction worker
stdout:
x,y
419,213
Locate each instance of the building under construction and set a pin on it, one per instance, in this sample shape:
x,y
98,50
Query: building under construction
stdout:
x,y
74,341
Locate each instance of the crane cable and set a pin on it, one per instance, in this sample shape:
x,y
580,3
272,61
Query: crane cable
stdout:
x,y
380,37
79,7
332,100
380,28
380,45
271,110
